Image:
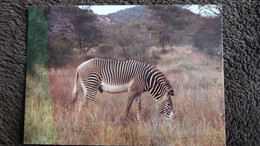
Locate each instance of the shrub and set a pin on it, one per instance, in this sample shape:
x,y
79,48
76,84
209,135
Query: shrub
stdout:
x,y
61,51
109,51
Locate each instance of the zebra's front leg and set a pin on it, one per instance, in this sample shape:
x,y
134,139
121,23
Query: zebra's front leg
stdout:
x,y
128,105
138,107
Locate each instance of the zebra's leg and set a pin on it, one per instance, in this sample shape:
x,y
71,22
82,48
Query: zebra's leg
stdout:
x,y
128,105
89,99
90,87
83,99
138,107
82,102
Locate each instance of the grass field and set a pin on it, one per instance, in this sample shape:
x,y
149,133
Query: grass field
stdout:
x,y
198,106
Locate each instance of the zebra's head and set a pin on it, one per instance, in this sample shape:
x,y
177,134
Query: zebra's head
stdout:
x,y
165,105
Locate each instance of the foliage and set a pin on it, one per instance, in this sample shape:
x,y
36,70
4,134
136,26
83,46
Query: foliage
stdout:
x,y
177,26
109,51
171,15
85,26
171,19
131,40
72,31
167,26
208,36
37,38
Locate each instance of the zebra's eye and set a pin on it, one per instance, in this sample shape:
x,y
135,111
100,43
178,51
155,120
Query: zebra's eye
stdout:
x,y
168,104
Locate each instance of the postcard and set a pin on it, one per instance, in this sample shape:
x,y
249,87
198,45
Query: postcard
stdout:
x,y
125,75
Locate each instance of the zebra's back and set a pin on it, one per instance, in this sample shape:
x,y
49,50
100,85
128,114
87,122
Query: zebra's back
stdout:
x,y
119,72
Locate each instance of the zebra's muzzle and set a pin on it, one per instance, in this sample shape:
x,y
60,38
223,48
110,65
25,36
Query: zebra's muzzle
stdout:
x,y
171,115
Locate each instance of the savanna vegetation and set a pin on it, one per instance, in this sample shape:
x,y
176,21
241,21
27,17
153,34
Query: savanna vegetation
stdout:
x,y
185,46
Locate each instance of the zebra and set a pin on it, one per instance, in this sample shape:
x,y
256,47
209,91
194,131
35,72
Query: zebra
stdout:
x,y
130,76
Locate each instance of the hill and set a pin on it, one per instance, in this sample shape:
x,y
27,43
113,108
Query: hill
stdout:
x,y
131,15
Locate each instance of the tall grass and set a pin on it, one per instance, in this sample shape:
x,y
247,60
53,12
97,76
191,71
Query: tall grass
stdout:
x,y
39,124
198,106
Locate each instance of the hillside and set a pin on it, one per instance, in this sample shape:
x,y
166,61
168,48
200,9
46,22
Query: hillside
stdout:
x,y
131,15
71,31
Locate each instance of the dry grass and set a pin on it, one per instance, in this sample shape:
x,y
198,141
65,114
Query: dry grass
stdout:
x,y
198,107
39,124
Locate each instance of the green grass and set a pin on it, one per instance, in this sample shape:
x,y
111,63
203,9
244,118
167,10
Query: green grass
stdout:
x,y
39,124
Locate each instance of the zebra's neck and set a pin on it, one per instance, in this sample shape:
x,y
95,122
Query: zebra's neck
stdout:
x,y
156,83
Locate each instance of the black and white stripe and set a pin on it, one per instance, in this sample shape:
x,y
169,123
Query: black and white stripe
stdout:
x,y
121,72
138,77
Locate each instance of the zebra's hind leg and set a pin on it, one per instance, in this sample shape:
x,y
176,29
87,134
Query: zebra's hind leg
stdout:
x,y
82,102
83,98
138,107
87,101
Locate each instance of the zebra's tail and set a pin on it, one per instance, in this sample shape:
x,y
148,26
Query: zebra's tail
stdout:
x,y
75,89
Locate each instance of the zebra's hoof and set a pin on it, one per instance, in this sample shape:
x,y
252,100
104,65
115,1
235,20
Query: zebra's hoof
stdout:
x,y
123,118
121,121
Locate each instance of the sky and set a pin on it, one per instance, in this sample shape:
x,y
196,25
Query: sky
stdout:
x,y
202,10
107,9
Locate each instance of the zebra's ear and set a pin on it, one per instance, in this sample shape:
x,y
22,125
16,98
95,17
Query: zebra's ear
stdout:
x,y
171,92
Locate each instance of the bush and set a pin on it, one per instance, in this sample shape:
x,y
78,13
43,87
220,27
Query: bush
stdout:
x,y
136,51
61,51
109,51
214,52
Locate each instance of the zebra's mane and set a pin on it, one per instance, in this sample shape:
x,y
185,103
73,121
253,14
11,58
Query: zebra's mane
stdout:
x,y
155,69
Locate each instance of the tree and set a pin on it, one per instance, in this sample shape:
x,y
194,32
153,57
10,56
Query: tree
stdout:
x,y
208,36
170,19
205,10
37,40
71,31
86,28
